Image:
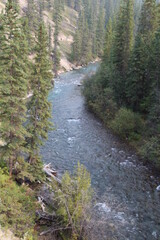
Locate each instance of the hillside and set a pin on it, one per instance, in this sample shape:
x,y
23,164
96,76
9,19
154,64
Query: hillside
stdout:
x,y
68,27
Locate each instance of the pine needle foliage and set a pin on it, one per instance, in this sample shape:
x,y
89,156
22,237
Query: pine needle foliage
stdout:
x,y
39,107
73,199
13,85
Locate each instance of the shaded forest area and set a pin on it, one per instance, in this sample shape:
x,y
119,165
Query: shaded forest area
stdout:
x,y
125,93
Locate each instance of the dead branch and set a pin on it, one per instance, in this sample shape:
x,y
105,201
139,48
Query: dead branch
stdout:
x,y
52,173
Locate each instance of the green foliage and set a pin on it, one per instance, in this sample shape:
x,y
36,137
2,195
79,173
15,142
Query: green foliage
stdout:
x,y
40,109
57,17
151,150
100,101
122,48
73,199
13,85
89,36
127,124
17,206
128,77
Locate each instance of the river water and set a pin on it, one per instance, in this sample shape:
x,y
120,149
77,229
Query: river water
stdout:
x,y
126,190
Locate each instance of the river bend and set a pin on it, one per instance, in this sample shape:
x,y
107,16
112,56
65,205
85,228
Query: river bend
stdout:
x,y
126,190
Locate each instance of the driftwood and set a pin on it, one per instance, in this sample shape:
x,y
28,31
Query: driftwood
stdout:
x,y
52,230
52,173
46,216
40,201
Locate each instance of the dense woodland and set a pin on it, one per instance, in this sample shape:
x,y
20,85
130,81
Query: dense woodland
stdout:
x,y
124,93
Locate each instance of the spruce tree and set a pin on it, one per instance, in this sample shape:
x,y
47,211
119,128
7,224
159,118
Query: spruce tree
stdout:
x,y
39,107
57,17
86,46
33,20
100,33
49,38
13,86
77,47
122,48
106,67
139,83
154,68
108,43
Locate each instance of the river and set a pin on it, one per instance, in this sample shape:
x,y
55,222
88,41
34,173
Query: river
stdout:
x,y
125,188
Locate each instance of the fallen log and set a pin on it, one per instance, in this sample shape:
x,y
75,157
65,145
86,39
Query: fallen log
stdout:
x,y
46,216
52,230
52,173
40,201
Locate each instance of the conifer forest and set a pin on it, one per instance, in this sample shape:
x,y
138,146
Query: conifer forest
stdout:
x,y
79,119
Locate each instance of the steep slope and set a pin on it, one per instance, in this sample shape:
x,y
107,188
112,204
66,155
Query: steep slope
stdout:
x,y
68,27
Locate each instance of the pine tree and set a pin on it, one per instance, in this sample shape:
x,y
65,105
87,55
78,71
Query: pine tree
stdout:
x,y
100,33
49,38
154,68
33,20
122,48
106,67
39,107
13,86
57,17
77,47
139,83
147,20
86,54
108,44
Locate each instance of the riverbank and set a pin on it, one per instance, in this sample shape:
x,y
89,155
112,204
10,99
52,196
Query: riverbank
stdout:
x,y
68,66
133,128
125,188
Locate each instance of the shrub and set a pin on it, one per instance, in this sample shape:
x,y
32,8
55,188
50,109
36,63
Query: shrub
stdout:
x,y
104,106
127,124
99,100
73,199
151,150
17,206
91,89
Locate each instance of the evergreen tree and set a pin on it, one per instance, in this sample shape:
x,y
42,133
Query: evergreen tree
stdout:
x,y
86,54
147,20
139,82
108,42
154,68
57,17
33,19
49,38
122,48
13,86
39,107
100,33
77,47
107,61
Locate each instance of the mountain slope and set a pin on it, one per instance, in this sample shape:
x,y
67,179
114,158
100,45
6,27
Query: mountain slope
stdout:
x,y
68,27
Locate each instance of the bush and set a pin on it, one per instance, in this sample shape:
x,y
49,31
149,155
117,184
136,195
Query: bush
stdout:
x,y
127,124
99,100
91,89
17,206
151,150
104,106
73,199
